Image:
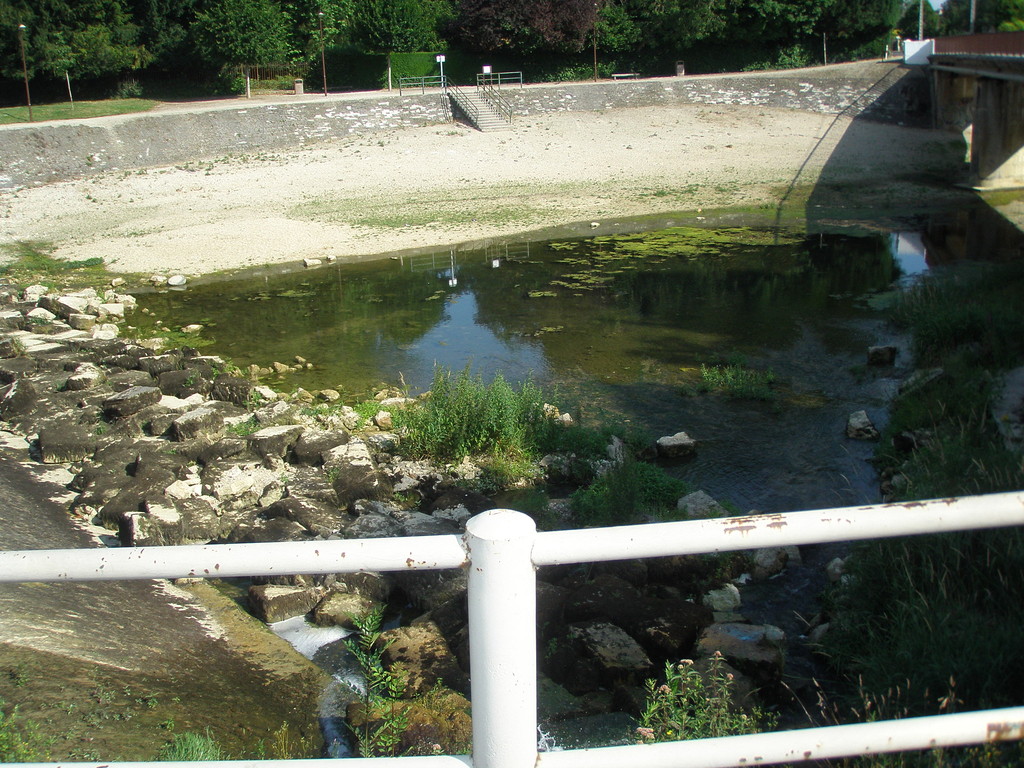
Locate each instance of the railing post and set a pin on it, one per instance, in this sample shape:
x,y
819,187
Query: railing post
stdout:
x,y
503,639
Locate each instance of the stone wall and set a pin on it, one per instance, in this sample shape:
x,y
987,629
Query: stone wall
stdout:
x,y
39,154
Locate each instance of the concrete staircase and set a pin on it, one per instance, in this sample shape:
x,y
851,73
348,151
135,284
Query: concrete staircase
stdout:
x,y
478,110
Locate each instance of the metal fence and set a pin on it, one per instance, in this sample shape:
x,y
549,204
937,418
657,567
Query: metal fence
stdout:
x,y
422,83
501,550
498,79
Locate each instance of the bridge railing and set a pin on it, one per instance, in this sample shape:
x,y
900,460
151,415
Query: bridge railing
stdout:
x,y
989,44
501,551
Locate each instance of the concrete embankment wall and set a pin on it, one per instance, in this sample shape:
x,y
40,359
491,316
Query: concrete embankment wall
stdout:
x,y
39,154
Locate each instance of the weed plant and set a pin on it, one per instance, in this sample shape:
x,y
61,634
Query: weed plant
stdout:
x,y
932,608
738,381
190,746
628,492
384,717
463,417
20,740
688,705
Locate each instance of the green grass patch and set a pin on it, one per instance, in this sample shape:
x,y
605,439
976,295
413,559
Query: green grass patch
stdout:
x,y
20,739
924,613
189,747
28,262
629,492
737,381
77,111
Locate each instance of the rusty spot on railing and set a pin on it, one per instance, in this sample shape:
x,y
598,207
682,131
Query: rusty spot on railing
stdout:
x,y
1013,731
753,522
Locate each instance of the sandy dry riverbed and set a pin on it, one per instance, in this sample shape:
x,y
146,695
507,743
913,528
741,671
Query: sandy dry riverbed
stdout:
x,y
446,184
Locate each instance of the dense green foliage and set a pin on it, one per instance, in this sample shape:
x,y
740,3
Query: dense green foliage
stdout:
x,y
466,417
921,612
100,45
628,493
689,705
20,740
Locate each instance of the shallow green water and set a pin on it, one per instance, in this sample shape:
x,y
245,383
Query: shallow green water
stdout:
x,y
617,325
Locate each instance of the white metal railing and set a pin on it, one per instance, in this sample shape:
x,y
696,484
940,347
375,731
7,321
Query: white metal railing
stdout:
x,y
497,79
501,550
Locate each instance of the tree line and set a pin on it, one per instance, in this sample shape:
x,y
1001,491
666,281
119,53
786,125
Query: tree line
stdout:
x,y
104,42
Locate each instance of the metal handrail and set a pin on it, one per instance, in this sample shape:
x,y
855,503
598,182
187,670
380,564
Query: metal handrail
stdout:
x,y
501,551
497,78
428,81
501,105
465,103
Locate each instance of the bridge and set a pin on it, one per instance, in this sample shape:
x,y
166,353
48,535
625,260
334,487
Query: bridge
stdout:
x,y
978,82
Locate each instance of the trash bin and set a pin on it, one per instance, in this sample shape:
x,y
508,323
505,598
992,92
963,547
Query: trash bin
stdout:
x,y
680,68
298,87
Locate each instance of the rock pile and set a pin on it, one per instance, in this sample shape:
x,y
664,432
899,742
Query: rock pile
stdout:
x,y
175,447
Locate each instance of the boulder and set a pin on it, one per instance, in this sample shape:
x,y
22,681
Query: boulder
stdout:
x,y
723,600
755,649
155,365
424,653
206,421
274,442
66,443
317,517
270,602
339,608
18,398
617,656
881,356
232,389
355,475
677,446
859,427
770,561
171,522
237,485
131,400
700,505
85,376
314,444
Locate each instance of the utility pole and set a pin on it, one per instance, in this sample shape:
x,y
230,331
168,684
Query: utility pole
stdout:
x,y
974,15
920,21
595,41
24,69
323,61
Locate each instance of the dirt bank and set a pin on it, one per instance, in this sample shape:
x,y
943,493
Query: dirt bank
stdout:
x,y
439,185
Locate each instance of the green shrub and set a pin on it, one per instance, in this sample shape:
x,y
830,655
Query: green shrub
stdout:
x,y
919,611
688,705
627,493
20,740
465,417
737,381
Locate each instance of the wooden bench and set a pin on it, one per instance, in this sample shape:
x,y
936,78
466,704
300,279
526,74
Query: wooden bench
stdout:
x,y
625,76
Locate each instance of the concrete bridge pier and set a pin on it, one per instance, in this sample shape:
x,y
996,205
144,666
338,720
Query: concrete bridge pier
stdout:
x,y
997,146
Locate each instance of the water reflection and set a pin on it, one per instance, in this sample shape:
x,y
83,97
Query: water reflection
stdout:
x,y
619,325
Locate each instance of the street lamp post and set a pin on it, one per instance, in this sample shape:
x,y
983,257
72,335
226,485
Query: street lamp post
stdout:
x,y
595,41
24,69
323,60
